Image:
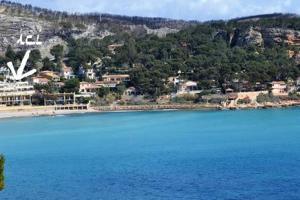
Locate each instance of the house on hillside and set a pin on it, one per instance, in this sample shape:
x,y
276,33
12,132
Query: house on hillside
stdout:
x,y
89,89
90,74
112,48
188,87
67,72
39,80
117,78
50,75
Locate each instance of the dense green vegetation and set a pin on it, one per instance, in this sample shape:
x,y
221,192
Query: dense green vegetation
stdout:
x,y
197,52
1,172
202,52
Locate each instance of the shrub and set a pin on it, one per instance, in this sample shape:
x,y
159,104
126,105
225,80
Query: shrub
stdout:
x,y
294,96
244,101
263,98
185,98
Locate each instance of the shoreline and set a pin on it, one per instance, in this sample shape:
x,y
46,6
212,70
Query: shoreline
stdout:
x,y
22,114
38,111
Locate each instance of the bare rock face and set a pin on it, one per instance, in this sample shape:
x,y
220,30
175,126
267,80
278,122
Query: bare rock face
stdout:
x,y
261,37
12,27
161,32
17,19
279,35
140,30
251,37
51,33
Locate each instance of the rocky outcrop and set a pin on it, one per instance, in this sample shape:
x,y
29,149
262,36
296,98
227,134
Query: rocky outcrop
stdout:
x,y
161,32
12,27
252,36
142,30
51,33
16,19
279,36
260,37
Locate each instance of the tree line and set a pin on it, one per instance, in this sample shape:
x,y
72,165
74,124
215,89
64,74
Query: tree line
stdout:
x,y
88,18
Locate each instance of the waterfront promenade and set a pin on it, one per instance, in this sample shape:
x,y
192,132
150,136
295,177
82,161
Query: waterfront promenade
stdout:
x,y
33,111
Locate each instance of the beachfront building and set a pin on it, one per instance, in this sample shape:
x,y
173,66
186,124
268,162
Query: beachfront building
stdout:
x,y
279,88
90,88
16,94
59,99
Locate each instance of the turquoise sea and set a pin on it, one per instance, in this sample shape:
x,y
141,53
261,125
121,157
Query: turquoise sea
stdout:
x,y
186,155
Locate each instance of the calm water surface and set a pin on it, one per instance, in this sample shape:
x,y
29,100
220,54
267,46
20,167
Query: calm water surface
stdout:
x,y
154,155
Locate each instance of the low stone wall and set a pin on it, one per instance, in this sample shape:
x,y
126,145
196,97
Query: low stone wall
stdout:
x,y
157,107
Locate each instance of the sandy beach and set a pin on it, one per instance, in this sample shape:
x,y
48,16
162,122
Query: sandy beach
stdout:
x,y
33,111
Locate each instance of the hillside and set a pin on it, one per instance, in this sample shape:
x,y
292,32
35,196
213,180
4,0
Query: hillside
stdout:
x,y
55,26
215,54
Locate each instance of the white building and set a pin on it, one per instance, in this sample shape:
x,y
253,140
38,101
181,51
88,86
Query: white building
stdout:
x,y
90,74
188,87
18,93
67,72
279,88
